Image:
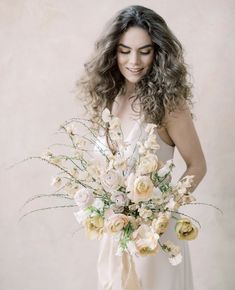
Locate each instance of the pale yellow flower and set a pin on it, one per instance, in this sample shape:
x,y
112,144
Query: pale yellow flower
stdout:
x,y
56,160
187,198
71,188
94,227
148,164
79,142
144,212
56,181
185,230
74,172
142,189
161,223
70,129
94,170
120,163
115,223
114,124
151,143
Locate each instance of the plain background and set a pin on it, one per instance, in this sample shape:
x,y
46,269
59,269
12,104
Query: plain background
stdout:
x,y
43,47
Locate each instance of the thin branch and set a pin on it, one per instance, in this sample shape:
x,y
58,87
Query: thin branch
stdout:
x,y
45,208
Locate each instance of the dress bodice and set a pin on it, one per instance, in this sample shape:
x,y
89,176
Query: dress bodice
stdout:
x,y
136,132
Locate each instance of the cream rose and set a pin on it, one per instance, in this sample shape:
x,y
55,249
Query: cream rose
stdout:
x,y
146,241
185,230
94,227
148,164
141,188
160,224
115,223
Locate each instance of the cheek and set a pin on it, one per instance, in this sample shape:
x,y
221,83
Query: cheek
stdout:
x,y
149,61
121,60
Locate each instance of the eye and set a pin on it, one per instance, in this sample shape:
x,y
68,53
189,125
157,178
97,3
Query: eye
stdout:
x,y
125,52
145,52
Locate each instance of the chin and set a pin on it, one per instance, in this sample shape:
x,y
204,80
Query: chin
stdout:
x,y
133,80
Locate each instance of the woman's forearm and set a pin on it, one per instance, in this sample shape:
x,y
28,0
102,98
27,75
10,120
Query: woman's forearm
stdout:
x,y
198,172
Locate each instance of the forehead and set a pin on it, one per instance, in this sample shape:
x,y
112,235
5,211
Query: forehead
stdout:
x,y
135,37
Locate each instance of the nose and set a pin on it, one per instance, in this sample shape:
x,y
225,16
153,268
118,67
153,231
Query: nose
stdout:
x,y
134,59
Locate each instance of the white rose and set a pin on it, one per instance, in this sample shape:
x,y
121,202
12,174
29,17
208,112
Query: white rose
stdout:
x,y
84,197
98,203
146,241
111,180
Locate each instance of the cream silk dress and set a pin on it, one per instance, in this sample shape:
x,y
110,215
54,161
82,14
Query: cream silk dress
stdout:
x,y
142,273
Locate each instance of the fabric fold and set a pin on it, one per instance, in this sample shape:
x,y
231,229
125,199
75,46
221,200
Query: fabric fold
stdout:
x,y
115,272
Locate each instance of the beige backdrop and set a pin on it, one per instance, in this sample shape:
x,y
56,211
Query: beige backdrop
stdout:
x,y
43,47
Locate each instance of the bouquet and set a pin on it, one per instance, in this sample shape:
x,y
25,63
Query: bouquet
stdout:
x,y
132,199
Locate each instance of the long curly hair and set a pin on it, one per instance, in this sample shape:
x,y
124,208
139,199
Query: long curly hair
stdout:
x,y
164,87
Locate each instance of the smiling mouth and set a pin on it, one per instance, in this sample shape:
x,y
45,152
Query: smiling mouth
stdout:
x,y
135,71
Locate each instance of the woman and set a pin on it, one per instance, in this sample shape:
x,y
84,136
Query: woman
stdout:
x,y
138,71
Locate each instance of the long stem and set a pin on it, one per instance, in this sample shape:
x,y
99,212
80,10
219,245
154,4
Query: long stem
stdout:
x,y
45,208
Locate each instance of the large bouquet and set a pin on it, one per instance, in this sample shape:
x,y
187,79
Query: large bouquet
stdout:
x,y
133,200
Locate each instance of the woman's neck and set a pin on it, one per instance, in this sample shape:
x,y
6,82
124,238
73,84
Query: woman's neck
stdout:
x,y
129,89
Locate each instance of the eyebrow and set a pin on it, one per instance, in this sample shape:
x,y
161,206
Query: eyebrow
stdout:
x,y
145,46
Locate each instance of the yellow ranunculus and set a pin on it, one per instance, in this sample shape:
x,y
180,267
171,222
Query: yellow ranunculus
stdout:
x,y
160,224
185,230
94,227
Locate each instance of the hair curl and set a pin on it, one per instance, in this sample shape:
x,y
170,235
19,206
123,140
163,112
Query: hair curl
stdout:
x,y
164,87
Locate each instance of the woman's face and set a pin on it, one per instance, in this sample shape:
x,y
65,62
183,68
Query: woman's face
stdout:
x,y
135,53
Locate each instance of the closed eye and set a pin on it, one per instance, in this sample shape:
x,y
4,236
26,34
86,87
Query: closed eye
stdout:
x,y
141,52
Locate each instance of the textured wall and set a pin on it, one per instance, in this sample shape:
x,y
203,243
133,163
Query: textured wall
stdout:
x,y
43,47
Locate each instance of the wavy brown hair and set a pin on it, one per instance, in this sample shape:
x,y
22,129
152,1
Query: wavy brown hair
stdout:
x,y
164,87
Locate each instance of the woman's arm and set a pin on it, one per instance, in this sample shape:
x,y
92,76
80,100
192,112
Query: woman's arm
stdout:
x,y
180,127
